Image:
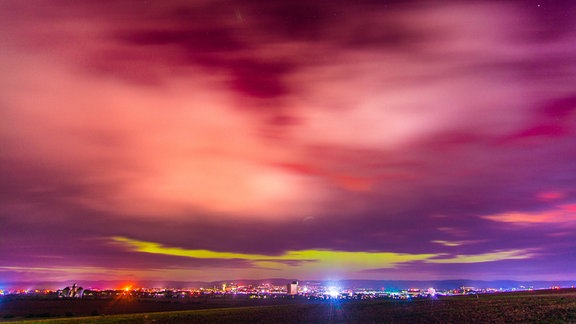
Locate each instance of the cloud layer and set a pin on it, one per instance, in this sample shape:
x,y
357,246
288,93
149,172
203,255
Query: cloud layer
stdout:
x,y
443,132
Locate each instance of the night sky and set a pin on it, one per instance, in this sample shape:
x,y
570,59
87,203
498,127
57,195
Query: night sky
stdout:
x,y
211,140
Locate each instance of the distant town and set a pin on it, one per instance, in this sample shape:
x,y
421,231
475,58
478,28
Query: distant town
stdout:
x,y
292,289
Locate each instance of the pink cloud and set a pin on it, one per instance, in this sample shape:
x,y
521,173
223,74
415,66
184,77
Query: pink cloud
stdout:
x,y
561,214
551,195
183,144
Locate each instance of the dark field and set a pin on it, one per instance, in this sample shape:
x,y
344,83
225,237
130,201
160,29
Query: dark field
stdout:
x,y
557,306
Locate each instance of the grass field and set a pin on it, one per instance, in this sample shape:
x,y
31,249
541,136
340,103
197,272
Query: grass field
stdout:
x,y
536,306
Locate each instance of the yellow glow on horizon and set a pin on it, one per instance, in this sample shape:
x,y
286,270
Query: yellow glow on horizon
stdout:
x,y
487,257
360,260
318,259
156,248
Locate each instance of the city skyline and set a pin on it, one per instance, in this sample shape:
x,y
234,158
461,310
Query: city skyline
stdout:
x,y
222,140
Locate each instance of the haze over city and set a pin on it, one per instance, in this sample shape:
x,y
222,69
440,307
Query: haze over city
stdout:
x,y
212,140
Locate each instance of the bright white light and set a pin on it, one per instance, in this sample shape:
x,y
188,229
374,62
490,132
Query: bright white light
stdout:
x,y
334,293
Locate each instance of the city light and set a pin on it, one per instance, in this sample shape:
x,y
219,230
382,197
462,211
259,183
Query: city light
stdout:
x,y
333,293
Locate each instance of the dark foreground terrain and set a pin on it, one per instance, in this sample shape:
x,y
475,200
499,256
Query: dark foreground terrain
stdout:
x,y
558,306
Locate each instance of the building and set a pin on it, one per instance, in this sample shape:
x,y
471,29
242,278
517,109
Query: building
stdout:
x,y
74,292
292,288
